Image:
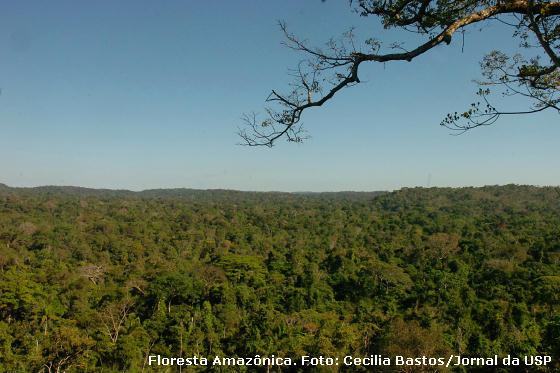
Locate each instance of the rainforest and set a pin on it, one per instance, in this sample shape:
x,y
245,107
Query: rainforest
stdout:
x,y
100,280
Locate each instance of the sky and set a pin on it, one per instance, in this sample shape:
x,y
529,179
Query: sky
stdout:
x,y
138,94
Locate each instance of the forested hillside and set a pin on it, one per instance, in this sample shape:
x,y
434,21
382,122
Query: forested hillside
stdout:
x,y
97,280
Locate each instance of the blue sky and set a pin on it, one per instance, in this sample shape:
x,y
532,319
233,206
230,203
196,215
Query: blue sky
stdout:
x,y
144,94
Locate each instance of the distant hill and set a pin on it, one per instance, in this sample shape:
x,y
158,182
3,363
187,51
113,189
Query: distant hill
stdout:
x,y
68,190
405,196
183,193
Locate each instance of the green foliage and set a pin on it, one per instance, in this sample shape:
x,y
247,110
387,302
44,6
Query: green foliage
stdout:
x,y
96,281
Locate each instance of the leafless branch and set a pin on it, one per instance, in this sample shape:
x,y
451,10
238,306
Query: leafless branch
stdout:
x,y
325,73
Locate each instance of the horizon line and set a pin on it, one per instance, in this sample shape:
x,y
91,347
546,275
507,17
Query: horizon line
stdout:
x,y
270,191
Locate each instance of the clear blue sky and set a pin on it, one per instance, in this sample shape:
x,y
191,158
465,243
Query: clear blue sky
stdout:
x,y
147,94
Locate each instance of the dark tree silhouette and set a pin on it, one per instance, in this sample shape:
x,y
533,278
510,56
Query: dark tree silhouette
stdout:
x,y
531,73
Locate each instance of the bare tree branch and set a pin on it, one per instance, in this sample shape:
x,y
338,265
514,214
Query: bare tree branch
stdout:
x,y
325,73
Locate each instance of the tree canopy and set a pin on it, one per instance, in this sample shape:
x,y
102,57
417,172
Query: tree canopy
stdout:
x,y
531,73
96,280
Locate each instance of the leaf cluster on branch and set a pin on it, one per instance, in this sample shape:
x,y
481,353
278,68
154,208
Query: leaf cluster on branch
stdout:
x,y
324,72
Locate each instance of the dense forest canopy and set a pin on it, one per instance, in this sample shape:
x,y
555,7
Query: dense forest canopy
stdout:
x,y
98,280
